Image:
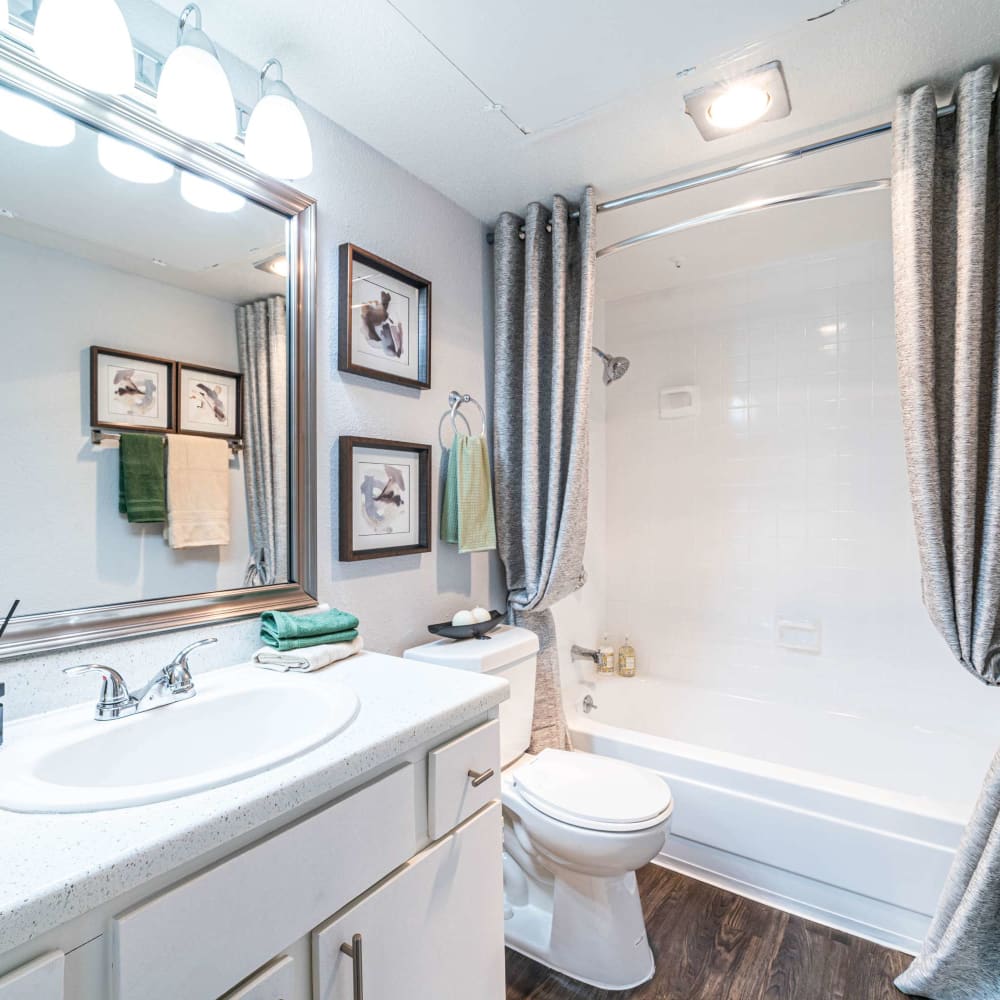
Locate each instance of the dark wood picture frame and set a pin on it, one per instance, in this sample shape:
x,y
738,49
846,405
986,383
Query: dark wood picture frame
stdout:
x,y
190,366
350,255
96,353
348,497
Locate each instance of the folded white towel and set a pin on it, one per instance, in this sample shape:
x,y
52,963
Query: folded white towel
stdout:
x,y
309,658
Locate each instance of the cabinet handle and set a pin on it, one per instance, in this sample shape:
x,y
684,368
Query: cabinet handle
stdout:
x,y
353,952
480,777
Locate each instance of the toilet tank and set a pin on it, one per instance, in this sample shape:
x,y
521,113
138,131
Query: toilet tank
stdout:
x,y
508,652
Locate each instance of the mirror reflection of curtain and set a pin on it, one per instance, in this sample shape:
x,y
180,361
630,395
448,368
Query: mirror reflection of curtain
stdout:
x,y
261,336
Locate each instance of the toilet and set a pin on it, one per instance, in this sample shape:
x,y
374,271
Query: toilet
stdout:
x,y
576,828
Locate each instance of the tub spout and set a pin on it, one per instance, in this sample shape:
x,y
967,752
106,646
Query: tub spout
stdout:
x,y
582,653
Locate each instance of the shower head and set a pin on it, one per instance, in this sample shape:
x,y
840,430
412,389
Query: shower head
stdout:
x,y
614,367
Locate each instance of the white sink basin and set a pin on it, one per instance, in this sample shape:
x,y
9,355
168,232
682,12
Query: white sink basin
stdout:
x,y
242,721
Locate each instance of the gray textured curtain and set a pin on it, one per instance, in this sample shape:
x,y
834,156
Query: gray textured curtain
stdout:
x,y
262,340
544,320
945,241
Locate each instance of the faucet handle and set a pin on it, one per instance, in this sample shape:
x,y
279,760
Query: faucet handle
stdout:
x,y
177,672
114,691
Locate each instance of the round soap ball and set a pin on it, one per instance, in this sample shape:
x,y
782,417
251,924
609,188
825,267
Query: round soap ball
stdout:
x,y
480,615
463,618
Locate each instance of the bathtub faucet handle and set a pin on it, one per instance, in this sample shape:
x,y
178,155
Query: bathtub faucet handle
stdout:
x,y
589,704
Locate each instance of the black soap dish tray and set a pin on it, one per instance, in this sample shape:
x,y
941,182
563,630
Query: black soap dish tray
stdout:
x,y
478,630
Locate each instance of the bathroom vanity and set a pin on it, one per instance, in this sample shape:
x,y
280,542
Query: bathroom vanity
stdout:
x,y
369,866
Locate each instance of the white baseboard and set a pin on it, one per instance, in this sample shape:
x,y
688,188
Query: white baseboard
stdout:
x,y
883,923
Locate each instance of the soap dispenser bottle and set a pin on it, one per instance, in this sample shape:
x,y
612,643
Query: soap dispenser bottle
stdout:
x,y
626,659
606,654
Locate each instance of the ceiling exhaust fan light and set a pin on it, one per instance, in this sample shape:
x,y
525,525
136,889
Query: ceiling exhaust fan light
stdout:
x,y
87,42
738,107
277,140
194,96
31,121
129,163
209,196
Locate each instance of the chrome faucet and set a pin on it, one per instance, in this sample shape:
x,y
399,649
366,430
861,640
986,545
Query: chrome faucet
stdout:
x,y
172,683
581,653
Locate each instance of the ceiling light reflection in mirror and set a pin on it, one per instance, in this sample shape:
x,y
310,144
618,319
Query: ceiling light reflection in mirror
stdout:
x,y
31,121
130,163
208,195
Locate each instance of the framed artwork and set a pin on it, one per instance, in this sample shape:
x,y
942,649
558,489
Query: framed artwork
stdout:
x,y
385,320
385,498
209,401
131,391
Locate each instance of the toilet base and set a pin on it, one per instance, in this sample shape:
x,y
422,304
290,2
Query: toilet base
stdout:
x,y
590,929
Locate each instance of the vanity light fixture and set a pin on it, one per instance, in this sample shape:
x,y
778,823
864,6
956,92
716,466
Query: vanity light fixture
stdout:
x,y
194,96
277,264
728,106
130,163
277,140
208,195
87,42
31,121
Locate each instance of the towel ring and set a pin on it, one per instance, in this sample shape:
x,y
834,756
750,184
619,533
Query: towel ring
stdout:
x,y
444,417
456,399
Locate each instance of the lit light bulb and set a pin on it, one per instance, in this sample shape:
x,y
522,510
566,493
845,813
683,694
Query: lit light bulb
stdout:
x,y
277,141
194,96
31,121
208,195
738,106
87,42
130,163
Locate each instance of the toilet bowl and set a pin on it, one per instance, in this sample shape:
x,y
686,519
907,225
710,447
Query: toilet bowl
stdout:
x,y
576,828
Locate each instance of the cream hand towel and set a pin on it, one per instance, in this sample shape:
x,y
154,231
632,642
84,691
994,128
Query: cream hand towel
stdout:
x,y
476,526
197,491
307,659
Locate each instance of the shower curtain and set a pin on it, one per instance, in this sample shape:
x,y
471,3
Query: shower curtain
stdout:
x,y
544,318
262,341
945,244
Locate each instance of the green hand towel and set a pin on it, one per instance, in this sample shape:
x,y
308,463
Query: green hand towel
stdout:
x,y
449,498
280,626
142,494
476,526
303,642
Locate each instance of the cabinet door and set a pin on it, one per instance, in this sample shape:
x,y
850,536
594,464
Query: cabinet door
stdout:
x,y
38,980
274,982
432,931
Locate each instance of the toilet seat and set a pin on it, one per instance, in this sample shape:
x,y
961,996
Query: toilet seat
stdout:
x,y
593,793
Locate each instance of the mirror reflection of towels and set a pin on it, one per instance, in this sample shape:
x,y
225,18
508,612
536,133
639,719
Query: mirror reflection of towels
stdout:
x,y
197,491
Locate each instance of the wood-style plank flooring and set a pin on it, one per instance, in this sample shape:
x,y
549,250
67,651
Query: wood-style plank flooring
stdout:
x,y
713,945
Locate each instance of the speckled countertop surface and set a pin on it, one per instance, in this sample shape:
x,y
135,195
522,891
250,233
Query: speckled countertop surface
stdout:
x,y
59,866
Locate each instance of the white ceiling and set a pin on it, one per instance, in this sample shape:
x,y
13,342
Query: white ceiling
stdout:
x,y
590,91
65,200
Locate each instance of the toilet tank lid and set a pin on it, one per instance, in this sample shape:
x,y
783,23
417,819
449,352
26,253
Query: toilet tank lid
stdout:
x,y
504,647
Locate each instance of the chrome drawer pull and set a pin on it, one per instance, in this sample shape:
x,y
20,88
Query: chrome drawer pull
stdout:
x,y
353,952
479,777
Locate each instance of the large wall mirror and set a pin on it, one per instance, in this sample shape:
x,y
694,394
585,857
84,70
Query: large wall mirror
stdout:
x,y
156,389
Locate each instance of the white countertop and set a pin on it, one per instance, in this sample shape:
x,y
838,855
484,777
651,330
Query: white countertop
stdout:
x,y
56,867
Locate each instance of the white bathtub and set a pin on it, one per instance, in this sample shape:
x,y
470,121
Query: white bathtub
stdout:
x,y
858,834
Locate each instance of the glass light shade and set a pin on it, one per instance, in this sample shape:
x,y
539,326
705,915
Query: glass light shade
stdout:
x,y
131,163
31,121
738,106
194,96
208,195
87,42
277,140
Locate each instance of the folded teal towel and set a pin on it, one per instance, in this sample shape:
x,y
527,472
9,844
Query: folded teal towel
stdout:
x,y
305,641
286,631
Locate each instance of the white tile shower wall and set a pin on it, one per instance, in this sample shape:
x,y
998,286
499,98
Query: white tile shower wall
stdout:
x,y
784,500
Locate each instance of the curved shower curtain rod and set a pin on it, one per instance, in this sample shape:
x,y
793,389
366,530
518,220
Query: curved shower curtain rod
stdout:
x,y
747,208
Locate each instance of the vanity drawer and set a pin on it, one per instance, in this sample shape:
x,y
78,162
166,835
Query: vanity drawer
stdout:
x,y
38,980
202,937
274,982
453,793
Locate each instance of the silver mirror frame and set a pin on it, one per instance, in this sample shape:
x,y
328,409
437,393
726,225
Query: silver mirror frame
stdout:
x,y
130,120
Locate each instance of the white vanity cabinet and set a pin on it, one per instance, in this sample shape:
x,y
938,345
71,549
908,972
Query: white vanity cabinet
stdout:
x,y
41,979
432,931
